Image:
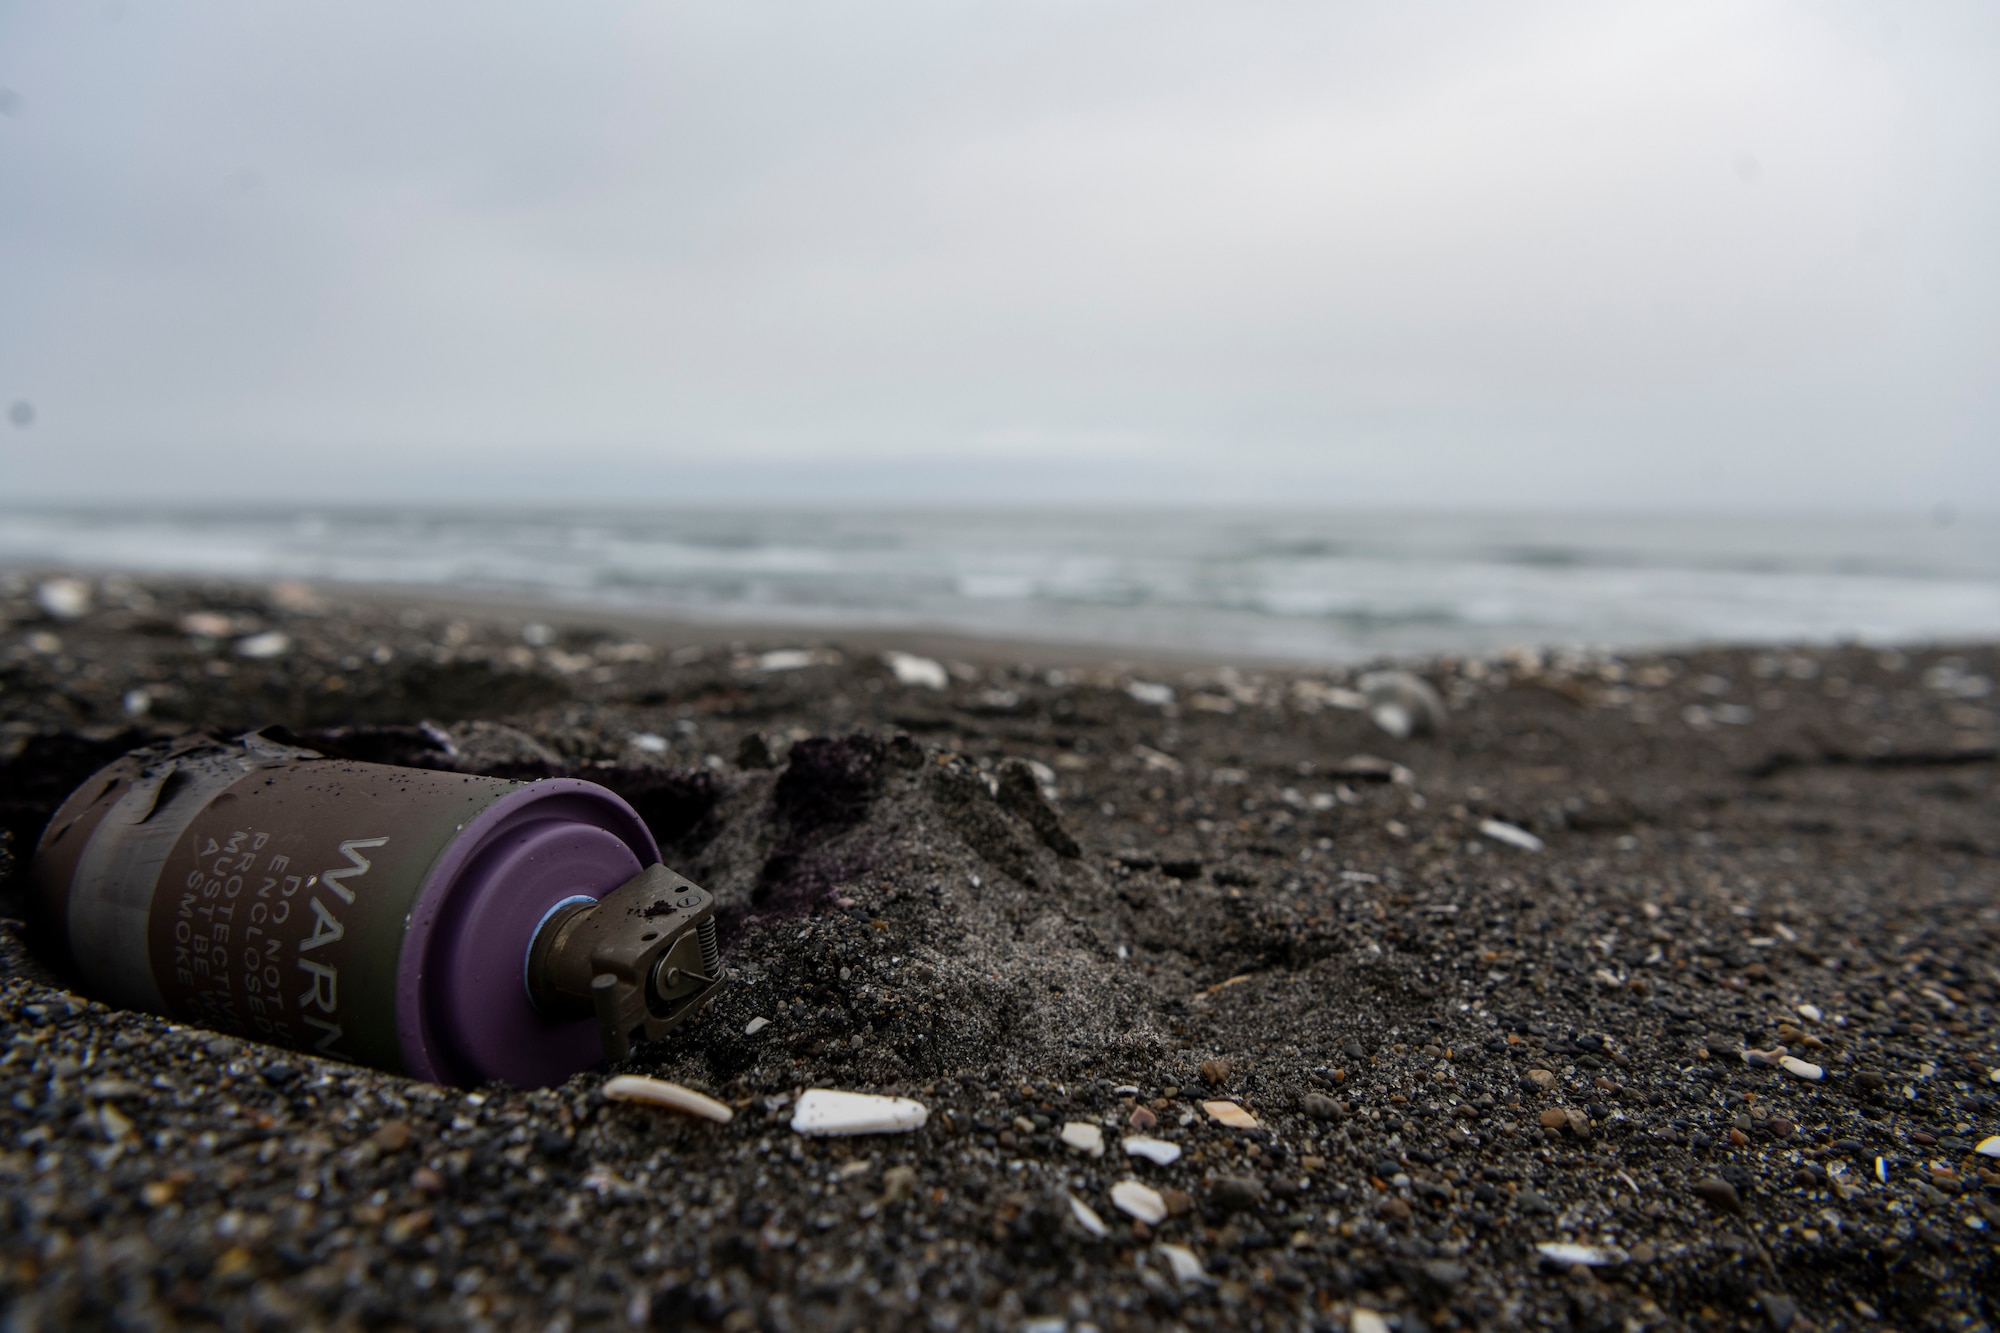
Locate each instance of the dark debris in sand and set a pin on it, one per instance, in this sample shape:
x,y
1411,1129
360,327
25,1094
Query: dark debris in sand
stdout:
x,y
1035,897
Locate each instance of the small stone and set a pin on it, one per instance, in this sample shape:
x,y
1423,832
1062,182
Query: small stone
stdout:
x,y
1798,1068
1811,1013
1087,1218
1718,1193
63,599
1989,1147
426,1180
922,672
1763,1059
1364,1320
112,1089
1320,1106
237,1267
1237,1194
1779,1309
1393,1209
1230,1114
1871,1080
1157,1151
1216,1072
1084,1138
1644,1253
392,1135
755,1026
1542,1078
898,1183
1142,1118
1737,1138
1555,1118
1141,1201
1353,1049
1402,703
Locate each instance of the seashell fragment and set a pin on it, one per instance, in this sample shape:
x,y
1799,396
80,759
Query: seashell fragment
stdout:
x,y
1087,1218
1084,1138
1230,1114
1140,1201
659,1092
1590,1256
1157,1151
824,1112
1798,1068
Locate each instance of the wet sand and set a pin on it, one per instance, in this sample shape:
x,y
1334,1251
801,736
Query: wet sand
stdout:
x,y
1059,889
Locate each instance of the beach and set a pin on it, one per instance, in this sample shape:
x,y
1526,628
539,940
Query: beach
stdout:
x,y
1634,989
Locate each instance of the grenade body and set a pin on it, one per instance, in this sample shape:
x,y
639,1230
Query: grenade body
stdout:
x,y
363,912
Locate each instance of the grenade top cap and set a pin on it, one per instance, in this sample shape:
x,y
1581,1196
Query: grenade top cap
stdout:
x,y
376,914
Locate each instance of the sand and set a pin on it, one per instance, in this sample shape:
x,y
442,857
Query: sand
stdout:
x,y
1079,891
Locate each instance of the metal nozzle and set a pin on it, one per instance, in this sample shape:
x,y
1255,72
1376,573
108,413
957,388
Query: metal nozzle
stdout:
x,y
643,958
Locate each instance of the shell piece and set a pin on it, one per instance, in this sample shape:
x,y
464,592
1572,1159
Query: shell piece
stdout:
x,y
1590,1256
1084,1138
1798,1068
823,1111
1230,1114
1989,1147
659,1092
1087,1218
1140,1201
1366,1321
755,1026
1157,1151
1186,1267
1511,834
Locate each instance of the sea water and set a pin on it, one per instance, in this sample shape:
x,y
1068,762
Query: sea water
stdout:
x,y
1298,586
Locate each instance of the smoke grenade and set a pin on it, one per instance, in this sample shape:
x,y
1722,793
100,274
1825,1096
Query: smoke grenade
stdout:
x,y
456,928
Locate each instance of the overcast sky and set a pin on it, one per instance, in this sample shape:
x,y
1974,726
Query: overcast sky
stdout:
x,y
1663,254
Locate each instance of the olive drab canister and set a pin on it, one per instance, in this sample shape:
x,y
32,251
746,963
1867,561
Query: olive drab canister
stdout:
x,y
457,928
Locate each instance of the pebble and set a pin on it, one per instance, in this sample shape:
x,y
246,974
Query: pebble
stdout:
x,y
1185,1266
910,669
1142,1118
1238,1194
784,659
1568,1255
1157,1151
1087,1218
1542,1078
1140,1201
1510,834
1364,1320
1320,1106
1989,1147
1151,693
1230,1114
651,742
1798,1068
823,1111
1555,1118
1084,1138
112,1089
1812,1013
1718,1193
1216,1072
1763,1059
659,1092
755,1026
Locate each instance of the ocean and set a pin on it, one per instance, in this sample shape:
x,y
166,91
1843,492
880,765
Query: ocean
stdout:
x,y
1254,585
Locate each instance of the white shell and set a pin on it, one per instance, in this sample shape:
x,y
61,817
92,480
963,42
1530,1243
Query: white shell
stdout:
x,y
1800,1068
1989,1147
755,1026
1186,1267
1811,1013
913,670
1136,1200
822,1111
1157,1151
1087,1217
1591,1256
1509,834
1366,1321
1084,1137
1230,1114
659,1092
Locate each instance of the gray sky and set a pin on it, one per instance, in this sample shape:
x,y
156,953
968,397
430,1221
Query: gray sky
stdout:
x,y
1689,254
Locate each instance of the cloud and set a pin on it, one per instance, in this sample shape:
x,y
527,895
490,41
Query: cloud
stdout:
x,y
1459,253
